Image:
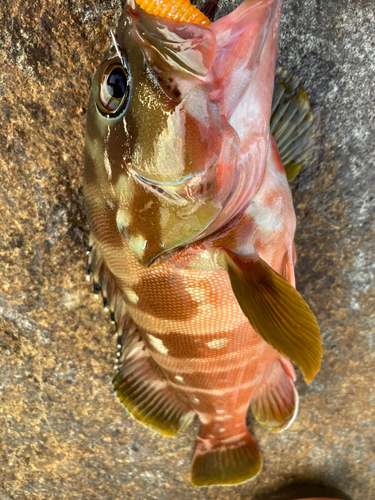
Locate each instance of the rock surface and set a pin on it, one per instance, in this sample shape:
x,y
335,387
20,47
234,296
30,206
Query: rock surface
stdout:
x,y
63,434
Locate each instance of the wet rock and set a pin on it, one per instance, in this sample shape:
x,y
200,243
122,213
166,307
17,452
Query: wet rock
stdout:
x,y
63,434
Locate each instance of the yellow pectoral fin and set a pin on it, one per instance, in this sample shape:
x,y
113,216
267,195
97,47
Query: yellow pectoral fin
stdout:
x,y
276,311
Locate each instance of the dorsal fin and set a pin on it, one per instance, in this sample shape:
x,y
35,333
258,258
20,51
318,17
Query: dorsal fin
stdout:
x,y
292,122
105,282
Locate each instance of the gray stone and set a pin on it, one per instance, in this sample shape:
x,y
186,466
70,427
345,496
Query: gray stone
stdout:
x,y
63,434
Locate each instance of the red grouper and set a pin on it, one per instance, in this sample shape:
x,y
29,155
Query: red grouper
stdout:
x,y
192,228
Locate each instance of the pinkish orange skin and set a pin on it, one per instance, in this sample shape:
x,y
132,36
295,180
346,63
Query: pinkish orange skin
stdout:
x,y
184,306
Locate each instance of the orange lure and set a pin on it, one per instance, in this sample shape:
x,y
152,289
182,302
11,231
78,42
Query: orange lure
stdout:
x,y
180,11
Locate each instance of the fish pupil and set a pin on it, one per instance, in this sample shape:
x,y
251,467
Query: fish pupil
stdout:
x,y
116,83
114,87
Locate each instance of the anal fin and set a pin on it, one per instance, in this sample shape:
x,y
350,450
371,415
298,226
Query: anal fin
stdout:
x,y
143,390
275,404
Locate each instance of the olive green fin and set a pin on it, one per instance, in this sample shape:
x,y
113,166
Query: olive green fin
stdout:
x,y
143,390
275,405
226,462
292,122
276,311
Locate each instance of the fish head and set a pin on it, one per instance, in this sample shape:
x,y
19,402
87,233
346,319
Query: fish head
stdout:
x,y
161,152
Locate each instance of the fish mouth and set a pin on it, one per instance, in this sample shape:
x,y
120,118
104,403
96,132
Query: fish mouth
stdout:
x,y
171,45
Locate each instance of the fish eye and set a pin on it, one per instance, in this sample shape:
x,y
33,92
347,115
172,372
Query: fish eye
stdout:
x,y
114,84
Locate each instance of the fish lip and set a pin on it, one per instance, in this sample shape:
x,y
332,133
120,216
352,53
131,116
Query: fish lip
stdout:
x,y
135,9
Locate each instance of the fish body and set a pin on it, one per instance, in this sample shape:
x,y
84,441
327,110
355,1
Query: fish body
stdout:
x,y
192,228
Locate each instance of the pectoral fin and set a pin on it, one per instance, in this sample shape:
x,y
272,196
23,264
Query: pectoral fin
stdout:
x,y
276,311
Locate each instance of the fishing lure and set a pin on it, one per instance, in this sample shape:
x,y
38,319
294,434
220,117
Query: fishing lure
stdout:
x,y
192,226
180,11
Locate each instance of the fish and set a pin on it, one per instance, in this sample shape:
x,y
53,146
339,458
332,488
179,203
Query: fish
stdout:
x,y
192,226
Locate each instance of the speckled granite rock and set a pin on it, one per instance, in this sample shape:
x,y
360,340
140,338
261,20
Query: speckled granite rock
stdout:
x,y
63,434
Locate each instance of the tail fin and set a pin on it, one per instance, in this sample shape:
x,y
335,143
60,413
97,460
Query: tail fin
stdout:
x,y
229,461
